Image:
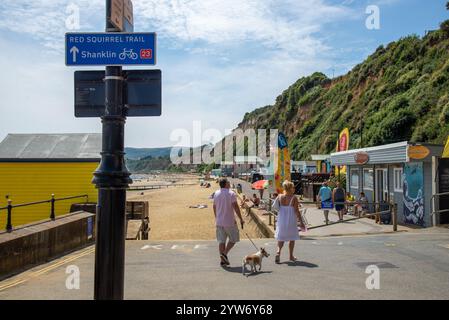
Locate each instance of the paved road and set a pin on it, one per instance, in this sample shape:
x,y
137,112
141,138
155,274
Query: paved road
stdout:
x,y
412,266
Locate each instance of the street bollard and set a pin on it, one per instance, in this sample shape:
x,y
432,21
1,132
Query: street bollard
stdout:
x,y
8,219
395,217
52,210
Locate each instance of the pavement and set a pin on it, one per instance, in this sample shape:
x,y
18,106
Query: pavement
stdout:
x,y
315,218
411,266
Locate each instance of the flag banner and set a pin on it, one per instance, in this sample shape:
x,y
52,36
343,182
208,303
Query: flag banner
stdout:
x,y
342,145
283,161
446,149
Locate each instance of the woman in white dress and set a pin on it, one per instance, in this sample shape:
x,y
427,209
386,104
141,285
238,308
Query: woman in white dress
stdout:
x,y
287,219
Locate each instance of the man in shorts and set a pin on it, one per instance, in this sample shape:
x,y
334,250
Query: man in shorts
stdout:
x,y
225,203
325,195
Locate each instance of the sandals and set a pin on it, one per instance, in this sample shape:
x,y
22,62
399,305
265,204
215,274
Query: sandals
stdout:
x,y
277,259
225,259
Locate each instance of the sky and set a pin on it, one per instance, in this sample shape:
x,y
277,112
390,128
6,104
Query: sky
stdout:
x,y
219,59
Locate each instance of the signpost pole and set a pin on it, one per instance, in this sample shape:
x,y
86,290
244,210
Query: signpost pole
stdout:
x,y
112,179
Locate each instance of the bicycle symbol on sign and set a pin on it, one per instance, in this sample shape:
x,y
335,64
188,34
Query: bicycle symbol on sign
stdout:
x,y
128,53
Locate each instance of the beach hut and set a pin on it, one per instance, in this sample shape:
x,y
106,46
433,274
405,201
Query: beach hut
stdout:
x,y
303,166
322,162
35,166
408,174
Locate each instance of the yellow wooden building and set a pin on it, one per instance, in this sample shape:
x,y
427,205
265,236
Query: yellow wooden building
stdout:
x,y
35,166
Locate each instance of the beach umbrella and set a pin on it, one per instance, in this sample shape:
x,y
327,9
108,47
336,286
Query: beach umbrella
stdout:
x,y
260,185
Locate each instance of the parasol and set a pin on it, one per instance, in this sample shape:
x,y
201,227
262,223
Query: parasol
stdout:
x,y
260,185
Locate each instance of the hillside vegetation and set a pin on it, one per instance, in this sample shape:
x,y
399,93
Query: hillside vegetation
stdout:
x,y
140,153
400,92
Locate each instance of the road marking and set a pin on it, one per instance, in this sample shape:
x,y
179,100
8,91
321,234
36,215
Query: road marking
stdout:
x,y
175,247
28,275
157,247
444,246
390,244
178,246
340,243
314,242
200,246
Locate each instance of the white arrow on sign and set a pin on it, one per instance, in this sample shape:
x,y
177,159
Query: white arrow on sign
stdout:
x,y
74,51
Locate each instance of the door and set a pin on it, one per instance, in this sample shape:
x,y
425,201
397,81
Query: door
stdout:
x,y
443,187
381,185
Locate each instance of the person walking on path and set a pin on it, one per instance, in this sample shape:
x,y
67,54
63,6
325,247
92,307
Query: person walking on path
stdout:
x,y
339,198
325,196
287,220
225,203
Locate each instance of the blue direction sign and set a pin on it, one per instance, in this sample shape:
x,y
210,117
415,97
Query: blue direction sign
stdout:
x,y
110,49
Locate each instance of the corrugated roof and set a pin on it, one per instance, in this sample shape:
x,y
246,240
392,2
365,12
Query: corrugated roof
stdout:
x,y
320,157
303,162
79,146
388,153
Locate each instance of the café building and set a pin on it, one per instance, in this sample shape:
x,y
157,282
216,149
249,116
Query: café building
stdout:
x,y
411,175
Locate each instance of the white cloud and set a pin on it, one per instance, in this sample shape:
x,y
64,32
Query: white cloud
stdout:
x,y
44,20
219,59
283,25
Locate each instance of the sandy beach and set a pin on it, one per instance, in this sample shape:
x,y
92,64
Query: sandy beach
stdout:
x,y
163,179
172,219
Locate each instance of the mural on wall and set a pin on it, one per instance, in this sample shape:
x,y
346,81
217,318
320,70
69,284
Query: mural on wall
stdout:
x,y
413,195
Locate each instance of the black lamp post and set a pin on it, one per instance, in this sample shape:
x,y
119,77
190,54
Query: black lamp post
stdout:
x,y
112,179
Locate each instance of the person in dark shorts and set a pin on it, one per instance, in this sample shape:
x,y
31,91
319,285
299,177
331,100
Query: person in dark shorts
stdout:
x,y
339,198
325,196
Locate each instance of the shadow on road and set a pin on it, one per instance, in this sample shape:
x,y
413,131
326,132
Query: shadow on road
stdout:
x,y
248,273
300,264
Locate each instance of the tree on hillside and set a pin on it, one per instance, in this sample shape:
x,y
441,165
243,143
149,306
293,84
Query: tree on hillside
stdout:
x,y
444,26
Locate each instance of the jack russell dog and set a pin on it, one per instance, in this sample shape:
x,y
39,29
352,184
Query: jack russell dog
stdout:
x,y
254,260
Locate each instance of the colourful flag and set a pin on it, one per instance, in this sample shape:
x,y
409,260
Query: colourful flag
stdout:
x,y
342,145
446,149
282,170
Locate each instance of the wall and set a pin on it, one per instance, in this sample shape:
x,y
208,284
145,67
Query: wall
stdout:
x,y
414,194
37,244
356,191
28,182
398,196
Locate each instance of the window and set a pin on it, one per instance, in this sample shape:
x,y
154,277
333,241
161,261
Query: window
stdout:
x,y
354,178
398,180
368,175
